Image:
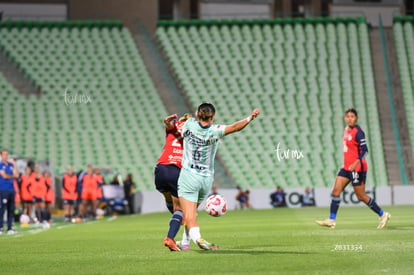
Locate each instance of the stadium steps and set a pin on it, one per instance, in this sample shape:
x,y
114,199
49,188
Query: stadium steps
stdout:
x,y
15,76
388,140
168,90
159,72
402,121
403,31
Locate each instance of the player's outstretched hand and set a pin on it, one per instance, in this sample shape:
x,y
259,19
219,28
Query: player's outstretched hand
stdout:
x,y
171,117
255,113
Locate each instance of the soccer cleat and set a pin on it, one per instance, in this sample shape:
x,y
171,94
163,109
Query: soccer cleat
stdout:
x,y
170,243
383,220
328,223
11,232
1,232
183,246
45,225
203,244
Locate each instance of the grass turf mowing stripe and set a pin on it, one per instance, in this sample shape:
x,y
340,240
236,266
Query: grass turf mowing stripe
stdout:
x,y
252,241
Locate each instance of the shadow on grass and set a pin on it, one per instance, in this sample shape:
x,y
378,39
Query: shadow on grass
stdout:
x,y
254,252
391,227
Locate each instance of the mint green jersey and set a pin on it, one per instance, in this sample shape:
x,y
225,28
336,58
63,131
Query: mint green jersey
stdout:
x,y
200,146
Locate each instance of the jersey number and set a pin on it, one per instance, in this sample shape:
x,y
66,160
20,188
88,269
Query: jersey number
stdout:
x,y
196,155
176,143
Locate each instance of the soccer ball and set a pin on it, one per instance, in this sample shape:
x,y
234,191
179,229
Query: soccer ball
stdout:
x,y
216,205
24,219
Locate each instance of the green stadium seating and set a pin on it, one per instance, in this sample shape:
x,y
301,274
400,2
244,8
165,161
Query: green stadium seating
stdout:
x,y
302,73
404,42
121,128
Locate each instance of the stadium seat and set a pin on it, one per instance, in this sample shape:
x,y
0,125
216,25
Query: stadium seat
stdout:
x,y
302,73
121,128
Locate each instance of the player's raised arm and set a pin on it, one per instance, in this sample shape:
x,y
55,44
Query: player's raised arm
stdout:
x,y
169,122
239,125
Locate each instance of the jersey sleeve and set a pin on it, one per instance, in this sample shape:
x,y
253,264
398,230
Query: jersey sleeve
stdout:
x,y
362,144
218,130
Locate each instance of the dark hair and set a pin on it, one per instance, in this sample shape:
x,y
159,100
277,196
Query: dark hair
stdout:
x,y
205,111
352,110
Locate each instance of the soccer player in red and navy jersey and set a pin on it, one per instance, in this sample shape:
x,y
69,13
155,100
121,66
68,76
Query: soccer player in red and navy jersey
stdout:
x,y
354,170
166,174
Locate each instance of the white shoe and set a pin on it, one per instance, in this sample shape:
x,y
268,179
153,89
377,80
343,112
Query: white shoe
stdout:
x,y
383,220
11,232
45,225
1,232
328,223
183,245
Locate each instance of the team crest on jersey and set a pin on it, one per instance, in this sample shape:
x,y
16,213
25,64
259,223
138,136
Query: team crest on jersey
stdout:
x,y
349,137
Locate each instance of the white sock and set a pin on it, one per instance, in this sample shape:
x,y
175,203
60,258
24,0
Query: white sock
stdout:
x,y
194,233
186,237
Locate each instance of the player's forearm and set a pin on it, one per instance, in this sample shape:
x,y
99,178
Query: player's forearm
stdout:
x,y
9,177
356,162
239,125
363,153
65,187
169,121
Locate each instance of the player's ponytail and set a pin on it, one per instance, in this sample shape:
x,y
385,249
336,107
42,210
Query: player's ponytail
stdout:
x,y
185,117
205,111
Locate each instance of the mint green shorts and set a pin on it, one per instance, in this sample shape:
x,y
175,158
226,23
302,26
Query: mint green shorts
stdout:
x,y
193,187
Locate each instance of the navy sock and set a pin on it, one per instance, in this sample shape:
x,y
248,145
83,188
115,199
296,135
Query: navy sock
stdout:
x,y
43,215
334,207
39,215
374,206
175,224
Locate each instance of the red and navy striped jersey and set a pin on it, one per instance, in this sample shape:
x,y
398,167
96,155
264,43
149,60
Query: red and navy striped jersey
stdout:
x,y
355,147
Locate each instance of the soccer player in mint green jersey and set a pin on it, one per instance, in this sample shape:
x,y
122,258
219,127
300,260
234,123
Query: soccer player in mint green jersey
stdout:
x,y
201,140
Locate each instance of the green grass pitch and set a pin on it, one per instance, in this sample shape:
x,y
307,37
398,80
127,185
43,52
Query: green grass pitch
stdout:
x,y
271,241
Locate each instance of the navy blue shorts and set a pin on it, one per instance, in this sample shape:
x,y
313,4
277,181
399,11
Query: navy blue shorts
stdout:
x,y
357,178
69,202
166,178
36,199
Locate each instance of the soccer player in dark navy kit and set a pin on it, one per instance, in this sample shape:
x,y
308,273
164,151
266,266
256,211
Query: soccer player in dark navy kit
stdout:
x,y
354,170
8,172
